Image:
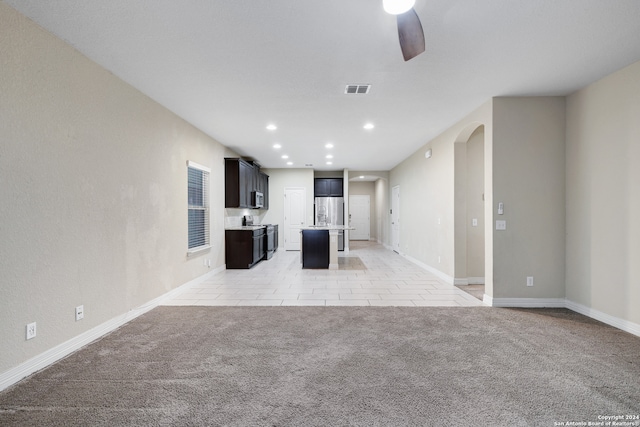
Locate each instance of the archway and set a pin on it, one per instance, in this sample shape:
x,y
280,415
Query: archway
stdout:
x,y
469,212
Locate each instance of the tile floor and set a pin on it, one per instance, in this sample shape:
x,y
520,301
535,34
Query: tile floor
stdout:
x,y
369,275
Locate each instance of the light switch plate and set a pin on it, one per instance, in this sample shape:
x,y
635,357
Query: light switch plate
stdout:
x,y
501,224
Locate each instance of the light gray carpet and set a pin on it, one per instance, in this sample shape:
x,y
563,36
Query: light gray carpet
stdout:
x,y
338,366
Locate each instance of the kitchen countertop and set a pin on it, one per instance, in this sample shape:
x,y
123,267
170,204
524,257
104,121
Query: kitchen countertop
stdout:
x,y
246,227
326,227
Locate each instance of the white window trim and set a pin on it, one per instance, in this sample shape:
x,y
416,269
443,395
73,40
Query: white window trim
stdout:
x,y
194,165
195,251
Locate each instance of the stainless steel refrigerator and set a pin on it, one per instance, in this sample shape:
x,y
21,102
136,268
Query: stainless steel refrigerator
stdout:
x,y
330,211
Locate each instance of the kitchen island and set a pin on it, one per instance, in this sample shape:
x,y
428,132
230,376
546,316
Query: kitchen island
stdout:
x,y
319,246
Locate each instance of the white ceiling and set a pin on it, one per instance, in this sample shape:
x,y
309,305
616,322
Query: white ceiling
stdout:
x,y
230,67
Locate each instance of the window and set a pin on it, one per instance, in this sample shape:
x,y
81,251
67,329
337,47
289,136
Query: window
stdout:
x,y
198,195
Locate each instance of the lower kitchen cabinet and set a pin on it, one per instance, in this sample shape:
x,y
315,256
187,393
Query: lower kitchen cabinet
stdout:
x,y
315,249
244,248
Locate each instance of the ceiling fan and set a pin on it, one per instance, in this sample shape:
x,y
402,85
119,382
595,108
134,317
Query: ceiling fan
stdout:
x,y
409,27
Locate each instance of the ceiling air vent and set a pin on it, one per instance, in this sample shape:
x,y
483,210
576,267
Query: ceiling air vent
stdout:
x,y
357,89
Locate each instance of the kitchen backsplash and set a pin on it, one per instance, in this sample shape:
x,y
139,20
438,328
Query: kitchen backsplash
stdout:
x,y
233,217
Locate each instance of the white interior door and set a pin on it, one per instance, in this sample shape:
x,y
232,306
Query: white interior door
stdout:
x,y
360,217
295,200
395,218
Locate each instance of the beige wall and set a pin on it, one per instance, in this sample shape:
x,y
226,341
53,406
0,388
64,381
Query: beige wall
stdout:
x,y
603,195
469,205
427,219
523,168
528,177
383,221
94,193
279,179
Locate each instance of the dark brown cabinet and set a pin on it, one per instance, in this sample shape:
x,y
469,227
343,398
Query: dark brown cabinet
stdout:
x,y
328,187
244,248
241,180
315,248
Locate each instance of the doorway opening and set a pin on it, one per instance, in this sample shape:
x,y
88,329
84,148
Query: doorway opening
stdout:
x,y
469,211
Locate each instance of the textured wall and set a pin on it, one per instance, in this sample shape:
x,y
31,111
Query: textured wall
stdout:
x,y
383,222
603,195
528,177
427,194
93,198
475,204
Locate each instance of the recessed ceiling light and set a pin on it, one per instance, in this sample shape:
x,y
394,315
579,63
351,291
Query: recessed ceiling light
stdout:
x,y
284,156
368,126
277,146
329,145
289,163
272,127
361,176
329,163
329,156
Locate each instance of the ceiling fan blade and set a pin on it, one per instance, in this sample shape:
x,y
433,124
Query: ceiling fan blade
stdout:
x,y
410,34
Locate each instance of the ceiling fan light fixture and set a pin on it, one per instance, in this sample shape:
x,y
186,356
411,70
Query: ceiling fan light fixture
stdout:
x,y
397,7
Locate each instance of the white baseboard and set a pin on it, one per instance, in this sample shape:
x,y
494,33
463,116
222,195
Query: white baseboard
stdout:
x,y
60,351
469,281
528,302
445,277
616,322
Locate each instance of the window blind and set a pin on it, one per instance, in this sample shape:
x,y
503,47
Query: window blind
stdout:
x,y
198,195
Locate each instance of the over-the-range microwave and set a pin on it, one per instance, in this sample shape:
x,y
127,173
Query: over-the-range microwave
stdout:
x,y
257,199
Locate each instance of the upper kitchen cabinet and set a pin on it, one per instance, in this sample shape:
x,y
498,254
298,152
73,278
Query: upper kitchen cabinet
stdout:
x,y
328,187
244,184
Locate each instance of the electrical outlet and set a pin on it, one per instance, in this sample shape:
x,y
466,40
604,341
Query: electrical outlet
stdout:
x,y
474,222
439,259
79,312
31,330
529,280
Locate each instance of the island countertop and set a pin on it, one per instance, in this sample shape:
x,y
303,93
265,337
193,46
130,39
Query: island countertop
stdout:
x,y
326,227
